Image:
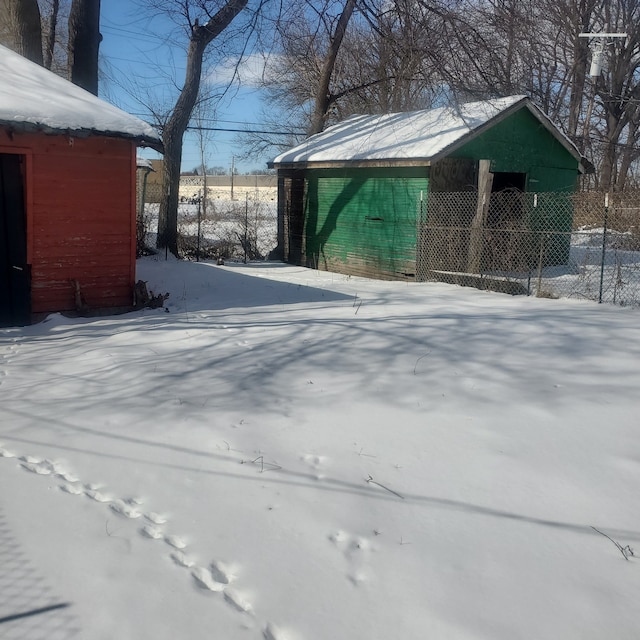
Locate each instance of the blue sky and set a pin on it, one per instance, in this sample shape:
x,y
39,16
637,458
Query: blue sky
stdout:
x,y
137,59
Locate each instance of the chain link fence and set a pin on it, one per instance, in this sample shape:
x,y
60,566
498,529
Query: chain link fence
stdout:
x,y
584,245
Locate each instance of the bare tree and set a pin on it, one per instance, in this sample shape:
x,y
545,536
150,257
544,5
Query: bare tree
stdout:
x,y
200,37
84,42
311,82
323,97
20,28
618,92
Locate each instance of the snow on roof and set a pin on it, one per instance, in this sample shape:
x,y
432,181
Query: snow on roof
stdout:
x,y
411,135
143,163
33,97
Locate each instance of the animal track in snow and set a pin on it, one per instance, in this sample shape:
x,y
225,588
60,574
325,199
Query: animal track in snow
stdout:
x,y
177,542
156,518
98,496
66,475
317,463
124,509
237,600
356,550
215,578
205,580
152,532
221,572
73,489
37,465
271,632
181,559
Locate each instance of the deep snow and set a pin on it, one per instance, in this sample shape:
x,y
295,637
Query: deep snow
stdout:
x,y
296,454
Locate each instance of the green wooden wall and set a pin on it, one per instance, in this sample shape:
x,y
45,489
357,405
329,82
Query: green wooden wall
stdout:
x,y
521,144
363,221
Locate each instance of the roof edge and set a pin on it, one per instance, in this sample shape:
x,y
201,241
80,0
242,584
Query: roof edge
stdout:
x,y
351,164
29,127
540,115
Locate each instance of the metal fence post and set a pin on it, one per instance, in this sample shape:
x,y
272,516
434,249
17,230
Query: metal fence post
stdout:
x,y
540,256
199,230
604,244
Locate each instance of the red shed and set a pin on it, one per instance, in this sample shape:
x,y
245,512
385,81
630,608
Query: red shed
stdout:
x,y
67,195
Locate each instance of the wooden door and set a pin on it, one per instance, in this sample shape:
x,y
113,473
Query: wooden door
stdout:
x,y
15,285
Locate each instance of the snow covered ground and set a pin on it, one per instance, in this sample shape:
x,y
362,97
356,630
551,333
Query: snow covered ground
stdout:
x,y
292,454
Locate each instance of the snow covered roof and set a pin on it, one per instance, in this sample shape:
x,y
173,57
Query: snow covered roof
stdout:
x,y
414,136
31,97
143,163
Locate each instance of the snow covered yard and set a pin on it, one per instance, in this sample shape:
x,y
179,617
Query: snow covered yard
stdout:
x,y
292,454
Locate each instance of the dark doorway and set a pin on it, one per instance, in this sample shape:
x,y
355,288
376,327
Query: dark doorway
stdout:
x,y
505,209
503,180
15,280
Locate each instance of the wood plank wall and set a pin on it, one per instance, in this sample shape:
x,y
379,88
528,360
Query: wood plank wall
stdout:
x,y
80,218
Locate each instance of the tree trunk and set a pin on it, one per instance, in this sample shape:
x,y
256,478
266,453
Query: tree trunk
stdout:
x,y
323,95
20,28
173,133
84,42
630,154
50,36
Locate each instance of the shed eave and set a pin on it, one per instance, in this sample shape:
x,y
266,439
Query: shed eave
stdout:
x,y
30,127
351,164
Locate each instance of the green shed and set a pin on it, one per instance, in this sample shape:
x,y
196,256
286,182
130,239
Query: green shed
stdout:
x,y
379,195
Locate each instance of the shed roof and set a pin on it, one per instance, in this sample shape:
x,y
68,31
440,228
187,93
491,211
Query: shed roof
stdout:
x,y
413,137
33,98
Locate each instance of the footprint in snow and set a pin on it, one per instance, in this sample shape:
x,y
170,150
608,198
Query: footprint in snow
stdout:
x,y
182,560
317,463
123,509
221,572
73,489
177,542
205,580
215,578
237,600
37,465
271,632
156,518
356,549
153,533
67,476
98,496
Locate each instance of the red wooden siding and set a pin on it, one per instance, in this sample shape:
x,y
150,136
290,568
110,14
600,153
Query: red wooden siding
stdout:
x,y
81,219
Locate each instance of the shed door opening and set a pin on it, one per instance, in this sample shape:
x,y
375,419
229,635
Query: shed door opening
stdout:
x,y
505,210
503,180
15,285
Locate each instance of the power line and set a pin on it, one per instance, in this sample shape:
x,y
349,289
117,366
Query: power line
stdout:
x,y
231,130
271,133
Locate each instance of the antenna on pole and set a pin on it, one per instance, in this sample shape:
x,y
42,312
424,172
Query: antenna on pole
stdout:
x,y
598,51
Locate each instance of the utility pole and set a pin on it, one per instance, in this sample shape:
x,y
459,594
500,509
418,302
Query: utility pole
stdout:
x,y
233,170
601,41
